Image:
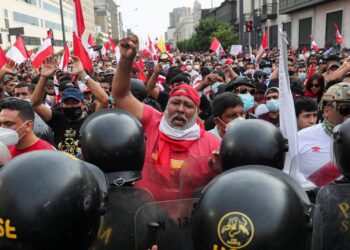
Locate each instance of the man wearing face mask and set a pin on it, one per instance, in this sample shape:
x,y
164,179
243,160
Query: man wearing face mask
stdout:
x,y
172,137
301,73
272,104
266,66
16,131
67,121
189,69
227,107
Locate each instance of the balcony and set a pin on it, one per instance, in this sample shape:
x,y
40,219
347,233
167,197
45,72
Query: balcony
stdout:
x,y
289,6
269,11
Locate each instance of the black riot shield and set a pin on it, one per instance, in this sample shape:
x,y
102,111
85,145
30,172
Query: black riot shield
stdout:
x,y
166,224
117,229
331,222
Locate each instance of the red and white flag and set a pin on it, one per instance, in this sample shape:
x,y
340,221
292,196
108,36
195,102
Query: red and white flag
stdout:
x,y
314,44
81,37
18,51
115,49
46,49
264,45
65,59
3,58
338,36
217,48
152,50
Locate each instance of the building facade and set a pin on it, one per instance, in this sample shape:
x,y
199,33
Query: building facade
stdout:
x,y
176,14
34,18
226,12
107,18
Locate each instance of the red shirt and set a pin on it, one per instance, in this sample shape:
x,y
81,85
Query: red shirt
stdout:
x,y
188,170
39,145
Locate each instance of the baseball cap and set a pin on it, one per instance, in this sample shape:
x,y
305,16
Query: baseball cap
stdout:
x,y
72,93
110,71
337,65
338,92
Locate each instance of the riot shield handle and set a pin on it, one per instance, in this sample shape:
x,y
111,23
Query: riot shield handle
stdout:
x,y
152,233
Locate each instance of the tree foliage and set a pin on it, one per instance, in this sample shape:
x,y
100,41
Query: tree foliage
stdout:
x,y
204,34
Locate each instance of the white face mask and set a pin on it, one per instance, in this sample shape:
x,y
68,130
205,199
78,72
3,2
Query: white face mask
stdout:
x,y
8,136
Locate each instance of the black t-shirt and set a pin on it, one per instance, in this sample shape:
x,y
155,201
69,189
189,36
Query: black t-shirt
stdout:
x,y
163,99
66,133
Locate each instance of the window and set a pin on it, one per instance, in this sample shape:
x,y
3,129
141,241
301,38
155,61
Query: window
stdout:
x,y
273,36
30,40
23,18
305,31
333,18
32,2
6,14
54,9
55,26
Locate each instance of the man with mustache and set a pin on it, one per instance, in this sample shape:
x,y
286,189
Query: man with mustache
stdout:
x,y
177,146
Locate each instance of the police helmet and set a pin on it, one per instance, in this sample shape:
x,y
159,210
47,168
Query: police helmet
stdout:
x,y
341,148
260,210
253,142
49,200
138,89
259,74
114,141
239,81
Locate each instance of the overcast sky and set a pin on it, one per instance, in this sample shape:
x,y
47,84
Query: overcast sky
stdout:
x,y
152,16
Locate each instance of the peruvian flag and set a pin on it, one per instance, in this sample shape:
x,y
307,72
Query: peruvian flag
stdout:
x,y
264,44
81,53
141,64
65,59
217,48
338,37
142,76
3,58
314,44
152,49
81,37
31,55
18,51
45,50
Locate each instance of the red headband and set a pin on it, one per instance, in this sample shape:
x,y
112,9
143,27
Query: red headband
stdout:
x,y
186,90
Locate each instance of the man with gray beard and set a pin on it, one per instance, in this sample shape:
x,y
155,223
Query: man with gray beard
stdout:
x,y
177,146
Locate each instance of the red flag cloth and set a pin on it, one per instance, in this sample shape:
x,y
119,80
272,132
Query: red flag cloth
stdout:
x,y
216,47
304,50
65,59
142,76
80,52
18,51
45,50
152,49
107,46
91,41
3,58
79,18
113,44
167,145
141,65
338,37
325,175
264,44
167,47
314,45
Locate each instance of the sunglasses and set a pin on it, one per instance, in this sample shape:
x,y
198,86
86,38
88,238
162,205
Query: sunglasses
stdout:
x,y
272,97
245,91
344,109
315,85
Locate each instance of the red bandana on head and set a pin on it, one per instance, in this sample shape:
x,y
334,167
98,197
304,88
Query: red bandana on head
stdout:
x,y
166,144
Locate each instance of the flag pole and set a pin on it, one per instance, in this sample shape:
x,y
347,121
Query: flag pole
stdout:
x,y
62,23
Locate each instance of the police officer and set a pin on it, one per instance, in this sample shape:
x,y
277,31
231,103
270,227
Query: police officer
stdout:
x,y
49,200
332,212
114,141
262,208
253,142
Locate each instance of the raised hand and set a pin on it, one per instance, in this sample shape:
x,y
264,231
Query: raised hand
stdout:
x,y
129,47
8,67
77,67
158,68
49,67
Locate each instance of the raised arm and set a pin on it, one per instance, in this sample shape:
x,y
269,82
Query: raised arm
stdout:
x,y
7,68
96,89
121,81
48,69
151,87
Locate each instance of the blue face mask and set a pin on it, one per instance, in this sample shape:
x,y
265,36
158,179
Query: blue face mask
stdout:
x,y
248,101
302,76
215,87
273,105
267,70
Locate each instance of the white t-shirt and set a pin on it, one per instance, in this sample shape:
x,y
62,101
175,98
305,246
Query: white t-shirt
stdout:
x,y
314,149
